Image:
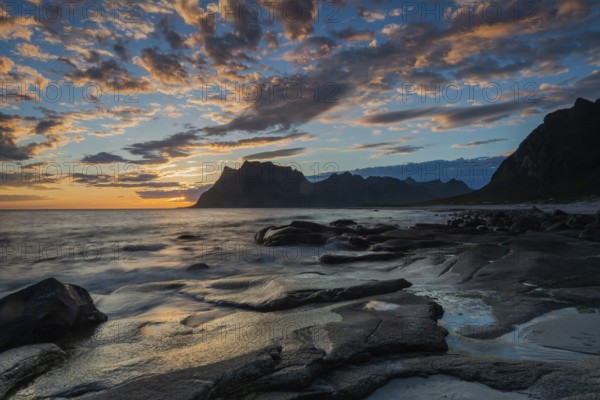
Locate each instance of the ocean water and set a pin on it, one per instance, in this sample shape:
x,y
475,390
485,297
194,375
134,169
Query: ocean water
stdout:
x,y
103,250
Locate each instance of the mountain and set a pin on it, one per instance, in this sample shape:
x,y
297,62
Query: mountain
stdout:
x,y
559,160
263,184
475,172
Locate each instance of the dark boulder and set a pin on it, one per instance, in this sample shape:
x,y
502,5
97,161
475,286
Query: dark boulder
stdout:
x,y
376,229
311,226
318,228
290,235
259,237
44,312
359,243
197,267
577,221
342,222
524,224
559,213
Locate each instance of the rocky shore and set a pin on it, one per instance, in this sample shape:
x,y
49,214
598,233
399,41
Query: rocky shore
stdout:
x,y
335,337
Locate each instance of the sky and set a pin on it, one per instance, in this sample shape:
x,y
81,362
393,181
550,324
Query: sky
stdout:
x,y
141,104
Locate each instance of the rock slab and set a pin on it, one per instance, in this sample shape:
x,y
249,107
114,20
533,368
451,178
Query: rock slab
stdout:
x,y
44,312
21,365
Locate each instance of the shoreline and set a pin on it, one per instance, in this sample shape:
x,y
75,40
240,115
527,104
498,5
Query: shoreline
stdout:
x,y
484,306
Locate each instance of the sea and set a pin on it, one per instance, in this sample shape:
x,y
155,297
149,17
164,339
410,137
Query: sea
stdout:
x,y
103,250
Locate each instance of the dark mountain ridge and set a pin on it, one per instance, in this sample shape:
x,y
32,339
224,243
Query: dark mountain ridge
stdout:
x,y
263,184
558,161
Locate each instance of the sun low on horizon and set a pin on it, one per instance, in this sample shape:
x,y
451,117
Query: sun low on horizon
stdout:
x,y
141,104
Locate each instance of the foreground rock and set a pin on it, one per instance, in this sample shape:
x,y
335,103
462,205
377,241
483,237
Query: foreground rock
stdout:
x,y
523,263
327,332
382,325
395,323
45,312
292,299
274,373
521,221
305,232
21,365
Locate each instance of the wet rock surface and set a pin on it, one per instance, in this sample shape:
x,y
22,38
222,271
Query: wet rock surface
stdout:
x,y
270,374
348,322
293,299
44,312
301,359
21,365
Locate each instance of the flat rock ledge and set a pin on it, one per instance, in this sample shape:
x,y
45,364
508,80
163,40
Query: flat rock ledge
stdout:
x,y
396,323
21,365
277,373
524,263
251,299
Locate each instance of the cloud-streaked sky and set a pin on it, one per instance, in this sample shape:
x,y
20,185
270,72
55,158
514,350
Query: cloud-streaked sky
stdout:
x,y
117,103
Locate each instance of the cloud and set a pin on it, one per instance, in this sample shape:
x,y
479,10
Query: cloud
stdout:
x,y
477,143
18,197
296,16
271,39
449,117
230,48
16,27
178,195
292,103
165,29
105,71
9,151
270,155
402,150
29,50
476,115
124,116
103,158
6,65
108,74
191,13
128,176
164,67
161,151
370,15
121,51
388,148
353,35
183,144
256,141
311,49
369,146
341,73
14,128
397,116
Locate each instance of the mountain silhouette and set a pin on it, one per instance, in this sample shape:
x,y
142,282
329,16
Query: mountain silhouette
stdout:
x,y
559,160
264,184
